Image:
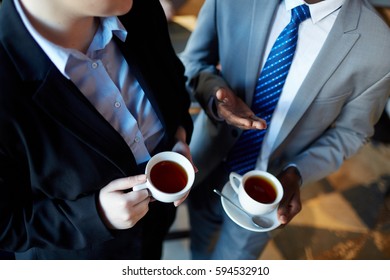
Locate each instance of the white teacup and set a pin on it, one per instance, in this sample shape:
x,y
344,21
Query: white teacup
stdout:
x,y
259,192
170,176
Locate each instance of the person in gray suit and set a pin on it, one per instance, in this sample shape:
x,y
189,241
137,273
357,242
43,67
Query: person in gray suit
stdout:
x,y
335,92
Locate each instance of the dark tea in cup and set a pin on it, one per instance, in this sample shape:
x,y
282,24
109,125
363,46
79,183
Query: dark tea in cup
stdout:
x,y
260,189
168,176
259,192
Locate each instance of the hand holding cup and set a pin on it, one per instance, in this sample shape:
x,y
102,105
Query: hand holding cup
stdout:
x,y
170,176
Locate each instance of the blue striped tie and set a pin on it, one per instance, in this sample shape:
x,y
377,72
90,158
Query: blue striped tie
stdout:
x,y
242,158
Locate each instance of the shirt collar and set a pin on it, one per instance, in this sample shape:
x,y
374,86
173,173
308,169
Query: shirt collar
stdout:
x,y
108,27
319,10
59,55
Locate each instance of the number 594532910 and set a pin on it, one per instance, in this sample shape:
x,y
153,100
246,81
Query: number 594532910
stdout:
x,y
241,270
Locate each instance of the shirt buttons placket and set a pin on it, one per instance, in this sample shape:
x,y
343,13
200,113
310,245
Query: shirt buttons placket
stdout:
x,y
94,65
117,104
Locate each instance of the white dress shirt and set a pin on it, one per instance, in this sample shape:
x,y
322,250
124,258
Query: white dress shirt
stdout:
x,y
104,77
312,34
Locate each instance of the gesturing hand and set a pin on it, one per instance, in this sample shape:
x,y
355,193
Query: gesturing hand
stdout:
x,y
120,209
236,112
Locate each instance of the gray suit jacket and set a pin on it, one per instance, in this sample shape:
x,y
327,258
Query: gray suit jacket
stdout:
x,y
336,107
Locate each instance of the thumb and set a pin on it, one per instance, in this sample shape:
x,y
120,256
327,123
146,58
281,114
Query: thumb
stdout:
x,y
125,183
221,95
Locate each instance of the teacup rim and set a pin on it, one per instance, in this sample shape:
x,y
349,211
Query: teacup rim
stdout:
x,y
274,180
190,175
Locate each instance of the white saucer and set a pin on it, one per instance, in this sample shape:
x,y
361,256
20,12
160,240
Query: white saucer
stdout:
x,y
240,218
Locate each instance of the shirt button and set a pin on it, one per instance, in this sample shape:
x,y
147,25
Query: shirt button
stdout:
x,y
94,65
136,139
117,104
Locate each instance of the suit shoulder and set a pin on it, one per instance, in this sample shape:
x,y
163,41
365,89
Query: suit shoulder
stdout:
x,y
374,23
374,36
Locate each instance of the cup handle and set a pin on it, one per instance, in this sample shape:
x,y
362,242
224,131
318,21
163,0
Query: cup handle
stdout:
x,y
233,178
140,187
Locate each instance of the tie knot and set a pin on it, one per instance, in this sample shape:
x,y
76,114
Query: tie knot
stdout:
x,y
300,13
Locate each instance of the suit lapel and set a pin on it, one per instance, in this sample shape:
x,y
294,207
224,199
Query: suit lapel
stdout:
x,y
129,51
341,38
257,42
60,98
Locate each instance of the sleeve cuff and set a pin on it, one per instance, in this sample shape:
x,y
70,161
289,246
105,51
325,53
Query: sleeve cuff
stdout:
x,y
212,108
295,170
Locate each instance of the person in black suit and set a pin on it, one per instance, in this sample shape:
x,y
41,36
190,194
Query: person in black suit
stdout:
x,y
89,91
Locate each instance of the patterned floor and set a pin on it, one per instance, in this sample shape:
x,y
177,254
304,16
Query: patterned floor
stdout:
x,y
345,216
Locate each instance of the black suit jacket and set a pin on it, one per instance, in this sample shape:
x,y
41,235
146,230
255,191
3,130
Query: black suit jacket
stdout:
x,y
57,151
